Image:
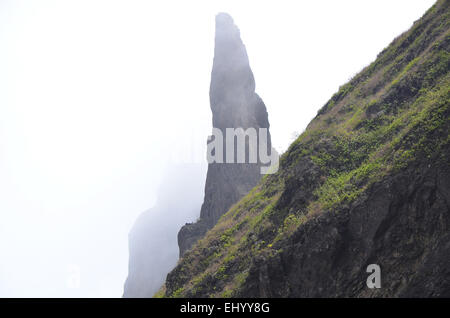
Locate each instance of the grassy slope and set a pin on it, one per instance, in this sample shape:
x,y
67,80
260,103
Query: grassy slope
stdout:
x,y
393,112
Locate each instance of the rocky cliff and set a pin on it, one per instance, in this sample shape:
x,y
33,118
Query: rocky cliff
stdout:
x,y
366,183
234,104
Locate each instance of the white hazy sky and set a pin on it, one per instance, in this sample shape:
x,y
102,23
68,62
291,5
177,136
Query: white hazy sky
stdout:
x,y
97,96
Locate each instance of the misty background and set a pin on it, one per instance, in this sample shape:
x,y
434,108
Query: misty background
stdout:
x,y
100,100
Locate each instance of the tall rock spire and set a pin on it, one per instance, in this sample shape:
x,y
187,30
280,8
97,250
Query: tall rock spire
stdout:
x,y
234,104
232,91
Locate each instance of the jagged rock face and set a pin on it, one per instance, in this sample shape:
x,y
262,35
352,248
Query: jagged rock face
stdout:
x,y
153,249
234,104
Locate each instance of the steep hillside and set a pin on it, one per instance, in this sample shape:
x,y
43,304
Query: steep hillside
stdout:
x,y
367,182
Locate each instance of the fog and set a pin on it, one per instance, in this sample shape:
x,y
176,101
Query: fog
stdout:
x,y
153,245
101,101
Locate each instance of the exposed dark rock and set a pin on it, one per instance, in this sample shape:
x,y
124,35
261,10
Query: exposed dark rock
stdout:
x,y
402,223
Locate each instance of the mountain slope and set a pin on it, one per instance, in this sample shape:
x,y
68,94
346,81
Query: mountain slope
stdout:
x,y
368,182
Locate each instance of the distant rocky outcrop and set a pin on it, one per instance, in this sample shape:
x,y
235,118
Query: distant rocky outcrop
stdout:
x,y
153,249
234,104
